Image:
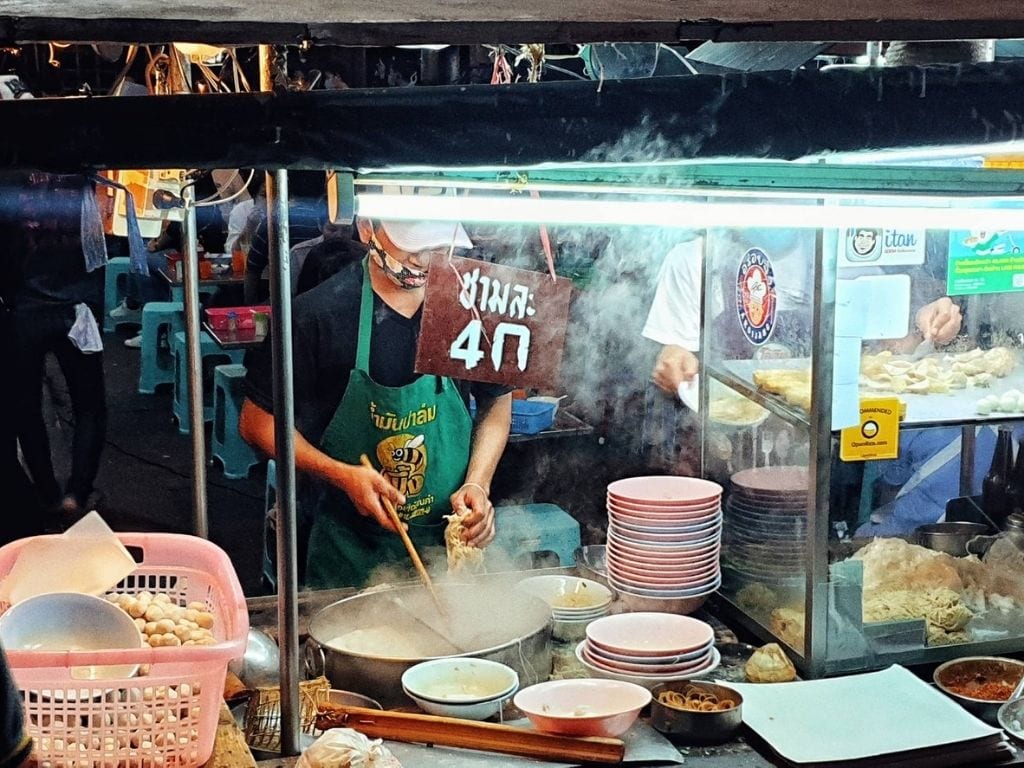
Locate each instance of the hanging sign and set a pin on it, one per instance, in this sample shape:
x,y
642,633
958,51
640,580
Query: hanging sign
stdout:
x,y
756,299
982,261
877,436
486,322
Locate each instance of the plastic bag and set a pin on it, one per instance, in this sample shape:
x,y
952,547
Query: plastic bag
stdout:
x,y
345,748
84,334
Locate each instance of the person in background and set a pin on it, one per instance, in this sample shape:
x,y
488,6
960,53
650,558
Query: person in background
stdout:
x,y
242,211
673,320
56,304
306,216
15,743
356,393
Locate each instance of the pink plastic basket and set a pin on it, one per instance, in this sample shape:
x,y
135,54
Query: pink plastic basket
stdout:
x,y
168,713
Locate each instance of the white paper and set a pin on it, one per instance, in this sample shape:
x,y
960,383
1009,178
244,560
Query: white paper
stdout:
x,y
855,717
846,381
689,393
873,307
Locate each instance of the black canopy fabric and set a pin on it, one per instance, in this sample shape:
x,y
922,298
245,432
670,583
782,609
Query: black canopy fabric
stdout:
x,y
771,115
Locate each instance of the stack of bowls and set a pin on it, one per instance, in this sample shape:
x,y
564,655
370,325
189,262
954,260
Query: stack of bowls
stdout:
x,y
664,541
575,602
648,648
471,689
766,525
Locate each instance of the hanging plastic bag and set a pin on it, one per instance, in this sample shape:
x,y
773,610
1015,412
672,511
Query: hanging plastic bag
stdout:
x,y
94,245
84,334
345,748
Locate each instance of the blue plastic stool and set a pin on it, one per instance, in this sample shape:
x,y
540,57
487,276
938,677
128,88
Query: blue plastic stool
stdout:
x,y
236,456
528,530
178,291
211,355
156,365
115,290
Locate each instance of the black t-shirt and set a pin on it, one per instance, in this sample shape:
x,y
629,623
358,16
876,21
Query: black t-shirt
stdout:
x,y
325,334
41,243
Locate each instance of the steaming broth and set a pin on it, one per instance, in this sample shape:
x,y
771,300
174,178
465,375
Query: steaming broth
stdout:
x,y
382,640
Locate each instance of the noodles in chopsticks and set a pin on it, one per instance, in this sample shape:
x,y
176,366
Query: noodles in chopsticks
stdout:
x,y
695,700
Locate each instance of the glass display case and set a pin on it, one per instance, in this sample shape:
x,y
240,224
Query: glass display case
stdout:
x,y
837,430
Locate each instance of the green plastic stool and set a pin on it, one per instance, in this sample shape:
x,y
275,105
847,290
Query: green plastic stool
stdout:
x,y
530,530
236,456
211,355
115,289
156,364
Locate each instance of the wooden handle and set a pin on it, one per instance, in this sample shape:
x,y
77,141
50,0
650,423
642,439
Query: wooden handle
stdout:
x,y
409,546
453,732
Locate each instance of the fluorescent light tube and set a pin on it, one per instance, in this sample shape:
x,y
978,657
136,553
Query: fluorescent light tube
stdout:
x,y
520,209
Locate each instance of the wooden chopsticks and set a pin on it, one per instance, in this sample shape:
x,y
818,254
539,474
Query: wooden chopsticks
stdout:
x,y
454,732
409,546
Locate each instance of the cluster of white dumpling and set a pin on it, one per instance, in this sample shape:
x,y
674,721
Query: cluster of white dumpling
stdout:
x,y
1011,401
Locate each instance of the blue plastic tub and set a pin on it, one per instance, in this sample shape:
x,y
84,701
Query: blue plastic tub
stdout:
x,y
528,416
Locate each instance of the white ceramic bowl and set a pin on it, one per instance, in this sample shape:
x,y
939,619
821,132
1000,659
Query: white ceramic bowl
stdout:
x,y
472,689
71,621
568,594
583,707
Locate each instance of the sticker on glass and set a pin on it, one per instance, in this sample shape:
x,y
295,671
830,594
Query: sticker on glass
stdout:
x,y
756,300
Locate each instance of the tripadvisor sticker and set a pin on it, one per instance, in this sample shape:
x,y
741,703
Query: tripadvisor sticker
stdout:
x,y
877,436
756,300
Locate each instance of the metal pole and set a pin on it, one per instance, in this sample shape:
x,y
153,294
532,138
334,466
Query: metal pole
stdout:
x,y
967,452
284,442
194,360
284,434
820,428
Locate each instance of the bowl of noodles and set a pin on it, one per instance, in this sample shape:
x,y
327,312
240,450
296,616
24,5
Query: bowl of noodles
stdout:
x,y
696,712
571,598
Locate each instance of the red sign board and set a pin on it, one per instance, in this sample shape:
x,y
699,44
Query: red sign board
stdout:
x,y
486,322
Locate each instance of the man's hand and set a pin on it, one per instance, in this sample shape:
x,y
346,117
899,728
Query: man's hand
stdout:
x,y
471,503
367,488
674,366
939,321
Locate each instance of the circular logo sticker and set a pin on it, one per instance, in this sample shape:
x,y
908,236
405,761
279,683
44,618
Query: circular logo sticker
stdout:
x,y
755,296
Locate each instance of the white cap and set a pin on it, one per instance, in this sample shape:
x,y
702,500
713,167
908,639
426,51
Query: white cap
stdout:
x,y
416,236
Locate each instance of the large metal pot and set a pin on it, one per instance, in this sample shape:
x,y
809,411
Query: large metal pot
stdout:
x,y
488,621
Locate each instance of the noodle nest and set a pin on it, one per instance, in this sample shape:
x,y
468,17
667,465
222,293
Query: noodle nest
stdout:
x,y
693,699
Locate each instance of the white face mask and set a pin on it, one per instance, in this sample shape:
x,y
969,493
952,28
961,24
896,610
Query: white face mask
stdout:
x,y
405,277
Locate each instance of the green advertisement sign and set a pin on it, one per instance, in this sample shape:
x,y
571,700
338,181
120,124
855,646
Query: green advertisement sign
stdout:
x,y
985,262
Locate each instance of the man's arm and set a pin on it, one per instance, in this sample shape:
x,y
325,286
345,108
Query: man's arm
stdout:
x,y
364,486
472,500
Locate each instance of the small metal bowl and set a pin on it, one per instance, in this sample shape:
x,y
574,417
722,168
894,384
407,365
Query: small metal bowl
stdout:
x,y
1011,718
971,669
950,538
697,727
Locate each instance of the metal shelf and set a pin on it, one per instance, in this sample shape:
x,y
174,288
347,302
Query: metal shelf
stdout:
x,y
788,413
565,425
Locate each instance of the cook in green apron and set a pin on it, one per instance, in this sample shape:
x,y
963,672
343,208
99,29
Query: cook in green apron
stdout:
x,y
418,435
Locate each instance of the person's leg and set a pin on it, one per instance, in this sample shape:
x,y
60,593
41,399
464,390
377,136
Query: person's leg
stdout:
x,y
84,376
33,331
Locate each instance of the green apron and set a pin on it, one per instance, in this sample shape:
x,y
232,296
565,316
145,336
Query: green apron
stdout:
x,y
418,435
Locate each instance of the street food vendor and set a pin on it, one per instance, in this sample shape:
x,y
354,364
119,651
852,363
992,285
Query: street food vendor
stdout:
x,y
356,393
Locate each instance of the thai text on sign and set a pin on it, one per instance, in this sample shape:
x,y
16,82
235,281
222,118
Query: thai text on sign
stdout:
x,y
487,322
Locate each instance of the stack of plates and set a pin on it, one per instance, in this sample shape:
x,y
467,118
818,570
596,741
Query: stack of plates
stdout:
x,y
648,648
664,536
766,524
